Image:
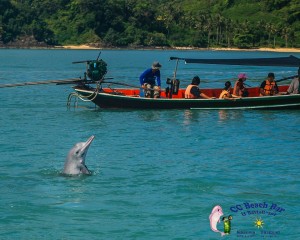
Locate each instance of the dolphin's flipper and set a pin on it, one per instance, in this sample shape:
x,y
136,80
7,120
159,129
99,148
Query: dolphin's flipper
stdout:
x,y
84,170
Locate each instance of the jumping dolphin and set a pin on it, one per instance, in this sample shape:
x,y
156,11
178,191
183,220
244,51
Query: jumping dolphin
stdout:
x,y
75,161
214,218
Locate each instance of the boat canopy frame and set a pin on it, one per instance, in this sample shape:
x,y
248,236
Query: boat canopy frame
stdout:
x,y
290,61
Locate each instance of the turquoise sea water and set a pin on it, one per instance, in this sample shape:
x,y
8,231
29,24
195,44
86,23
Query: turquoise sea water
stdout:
x,y
156,174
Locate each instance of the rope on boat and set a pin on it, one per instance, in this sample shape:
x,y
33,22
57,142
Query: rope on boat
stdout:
x,y
83,98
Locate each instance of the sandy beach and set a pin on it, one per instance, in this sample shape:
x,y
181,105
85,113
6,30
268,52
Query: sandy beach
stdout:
x,y
289,50
83,47
295,50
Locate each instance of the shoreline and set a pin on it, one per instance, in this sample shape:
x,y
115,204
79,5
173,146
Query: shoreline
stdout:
x,y
264,49
88,47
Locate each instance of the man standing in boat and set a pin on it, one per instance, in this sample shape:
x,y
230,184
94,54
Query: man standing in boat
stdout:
x,y
147,81
269,86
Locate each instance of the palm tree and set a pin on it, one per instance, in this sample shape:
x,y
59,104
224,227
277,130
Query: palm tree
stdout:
x,y
269,27
218,21
229,26
260,30
208,25
274,31
285,34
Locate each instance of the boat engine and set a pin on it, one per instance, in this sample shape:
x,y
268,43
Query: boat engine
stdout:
x,y
96,69
173,87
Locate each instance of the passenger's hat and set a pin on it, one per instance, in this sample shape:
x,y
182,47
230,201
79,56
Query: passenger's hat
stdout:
x,y
242,75
156,65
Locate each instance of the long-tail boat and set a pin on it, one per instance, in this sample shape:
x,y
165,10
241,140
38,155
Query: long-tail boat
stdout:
x,y
174,98
105,96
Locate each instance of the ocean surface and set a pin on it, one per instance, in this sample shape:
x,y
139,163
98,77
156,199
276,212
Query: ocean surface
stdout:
x,y
156,174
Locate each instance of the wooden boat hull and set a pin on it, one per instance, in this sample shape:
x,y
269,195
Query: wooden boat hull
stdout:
x,y
118,99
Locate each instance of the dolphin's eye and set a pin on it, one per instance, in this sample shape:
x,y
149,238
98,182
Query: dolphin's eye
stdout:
x,y
77,152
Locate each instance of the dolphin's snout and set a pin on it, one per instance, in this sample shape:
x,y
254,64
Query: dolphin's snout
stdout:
x,y
87,144
90,140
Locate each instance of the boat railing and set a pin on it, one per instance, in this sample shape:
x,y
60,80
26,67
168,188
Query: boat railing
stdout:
x,y
211,92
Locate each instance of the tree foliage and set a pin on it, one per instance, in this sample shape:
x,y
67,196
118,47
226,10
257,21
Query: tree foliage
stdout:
x,y
195,23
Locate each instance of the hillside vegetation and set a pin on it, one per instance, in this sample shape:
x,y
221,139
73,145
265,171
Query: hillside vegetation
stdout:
x,y
140,23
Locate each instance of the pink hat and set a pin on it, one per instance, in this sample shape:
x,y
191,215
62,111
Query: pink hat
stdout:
x,y
242,75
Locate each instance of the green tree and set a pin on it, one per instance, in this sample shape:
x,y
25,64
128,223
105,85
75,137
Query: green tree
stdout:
x,y
243,40
149,22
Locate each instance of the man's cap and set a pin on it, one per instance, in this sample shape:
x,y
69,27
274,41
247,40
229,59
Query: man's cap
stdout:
x,y
156,65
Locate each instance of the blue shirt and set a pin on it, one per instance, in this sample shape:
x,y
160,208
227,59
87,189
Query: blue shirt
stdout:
x,y
148,76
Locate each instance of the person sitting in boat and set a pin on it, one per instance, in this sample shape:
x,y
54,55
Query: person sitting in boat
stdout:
x,y
147,81
294,87
226,92
239,86
193,91
269,86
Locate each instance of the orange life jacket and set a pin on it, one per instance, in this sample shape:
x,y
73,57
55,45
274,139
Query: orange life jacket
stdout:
x,y
269,88
188,93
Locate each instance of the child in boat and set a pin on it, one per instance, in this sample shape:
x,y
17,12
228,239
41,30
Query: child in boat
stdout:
x,y
239,86
226,92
